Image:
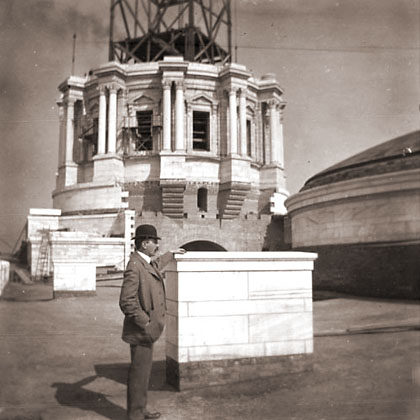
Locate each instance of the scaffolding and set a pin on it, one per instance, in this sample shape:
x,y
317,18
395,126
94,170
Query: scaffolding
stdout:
x,y
150,29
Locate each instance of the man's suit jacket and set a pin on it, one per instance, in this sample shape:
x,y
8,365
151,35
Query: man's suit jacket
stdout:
x,y
142,300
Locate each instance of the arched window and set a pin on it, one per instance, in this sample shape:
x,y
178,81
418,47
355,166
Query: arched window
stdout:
x,y
202,199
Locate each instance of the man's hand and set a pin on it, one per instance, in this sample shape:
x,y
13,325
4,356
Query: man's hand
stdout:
x,y
179,251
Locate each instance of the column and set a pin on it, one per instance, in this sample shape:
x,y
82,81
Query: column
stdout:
x,y
233,122
112,120
102,122
69,131
179,117
214,131
280,143
189,137
62,134
242,121
273,131
166,115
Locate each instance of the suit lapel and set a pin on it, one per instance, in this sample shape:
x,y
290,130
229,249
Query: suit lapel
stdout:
x,y
148,267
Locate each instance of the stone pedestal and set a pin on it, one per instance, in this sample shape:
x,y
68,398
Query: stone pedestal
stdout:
x,y
238,316
108,167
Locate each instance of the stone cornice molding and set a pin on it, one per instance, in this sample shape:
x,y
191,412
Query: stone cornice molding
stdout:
x,y
204,95
173,64
357,187
234,70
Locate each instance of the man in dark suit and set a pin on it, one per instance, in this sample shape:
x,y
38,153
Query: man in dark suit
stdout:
x,y
143,303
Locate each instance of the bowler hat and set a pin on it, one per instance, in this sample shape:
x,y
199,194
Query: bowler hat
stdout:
x,y
146,232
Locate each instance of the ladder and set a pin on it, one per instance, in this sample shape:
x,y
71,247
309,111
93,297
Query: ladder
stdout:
x,y
42,268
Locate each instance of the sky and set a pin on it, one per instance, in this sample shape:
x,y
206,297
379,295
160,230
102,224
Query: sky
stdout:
x,y
349,69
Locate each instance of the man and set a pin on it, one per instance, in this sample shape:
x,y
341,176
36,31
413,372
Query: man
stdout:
x,y
142,301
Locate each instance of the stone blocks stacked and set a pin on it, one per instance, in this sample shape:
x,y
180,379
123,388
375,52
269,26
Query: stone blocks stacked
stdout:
x,y
238,316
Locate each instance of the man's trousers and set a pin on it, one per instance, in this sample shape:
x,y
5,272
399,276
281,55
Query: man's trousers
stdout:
x,y
138,378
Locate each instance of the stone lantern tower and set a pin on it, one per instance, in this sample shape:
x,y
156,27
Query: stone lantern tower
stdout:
x,y
171,132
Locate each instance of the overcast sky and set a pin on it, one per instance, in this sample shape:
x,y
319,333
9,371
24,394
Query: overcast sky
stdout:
x,y
349,68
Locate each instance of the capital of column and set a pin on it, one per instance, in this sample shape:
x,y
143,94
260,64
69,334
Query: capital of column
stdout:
x,y
179,85
233,91
272,104
243,92
166,84
112,88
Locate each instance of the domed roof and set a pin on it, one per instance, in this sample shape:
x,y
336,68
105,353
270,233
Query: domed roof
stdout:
x,y
401,153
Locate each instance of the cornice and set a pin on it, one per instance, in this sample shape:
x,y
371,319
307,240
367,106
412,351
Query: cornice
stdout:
x,y
387,183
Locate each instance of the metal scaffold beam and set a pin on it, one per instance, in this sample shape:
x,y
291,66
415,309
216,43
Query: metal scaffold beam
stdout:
x,y
147,30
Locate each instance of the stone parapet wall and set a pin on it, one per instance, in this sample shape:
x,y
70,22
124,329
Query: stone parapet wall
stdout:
x,y
381,208
79,246
88,196
228,312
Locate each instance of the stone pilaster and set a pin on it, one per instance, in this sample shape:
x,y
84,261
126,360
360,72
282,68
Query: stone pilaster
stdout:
x,y
112,119
102,121
242,121
273,131
179,117
166,85
233,122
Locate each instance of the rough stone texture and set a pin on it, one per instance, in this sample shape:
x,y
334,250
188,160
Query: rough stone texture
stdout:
x,y
241,234
192,375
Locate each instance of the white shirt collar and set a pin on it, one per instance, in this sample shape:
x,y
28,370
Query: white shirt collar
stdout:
x,y
144,256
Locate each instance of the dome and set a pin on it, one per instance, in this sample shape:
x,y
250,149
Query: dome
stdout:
x,y
399,154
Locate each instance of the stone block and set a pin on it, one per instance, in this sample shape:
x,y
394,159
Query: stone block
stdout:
x,y
245,307
212,286
210,331
223,352
280,284
229,312
74,277
280,327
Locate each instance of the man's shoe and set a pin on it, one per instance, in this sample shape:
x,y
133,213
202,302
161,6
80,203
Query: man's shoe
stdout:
x,y
149,415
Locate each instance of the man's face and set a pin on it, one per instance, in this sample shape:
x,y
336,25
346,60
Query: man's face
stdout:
x,y
150,247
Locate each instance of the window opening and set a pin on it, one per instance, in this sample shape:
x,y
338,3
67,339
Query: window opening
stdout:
x,y
201,130
202,199
143,132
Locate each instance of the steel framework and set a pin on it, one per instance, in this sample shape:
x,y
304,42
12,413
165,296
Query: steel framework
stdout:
x,y
151,29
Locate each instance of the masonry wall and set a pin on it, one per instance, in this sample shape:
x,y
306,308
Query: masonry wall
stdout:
x,y
241,234
377,270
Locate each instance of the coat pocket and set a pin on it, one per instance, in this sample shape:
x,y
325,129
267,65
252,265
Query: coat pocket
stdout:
x,y
155,327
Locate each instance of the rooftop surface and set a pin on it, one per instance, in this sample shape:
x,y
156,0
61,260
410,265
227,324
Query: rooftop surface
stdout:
x,y
401,153
63,359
